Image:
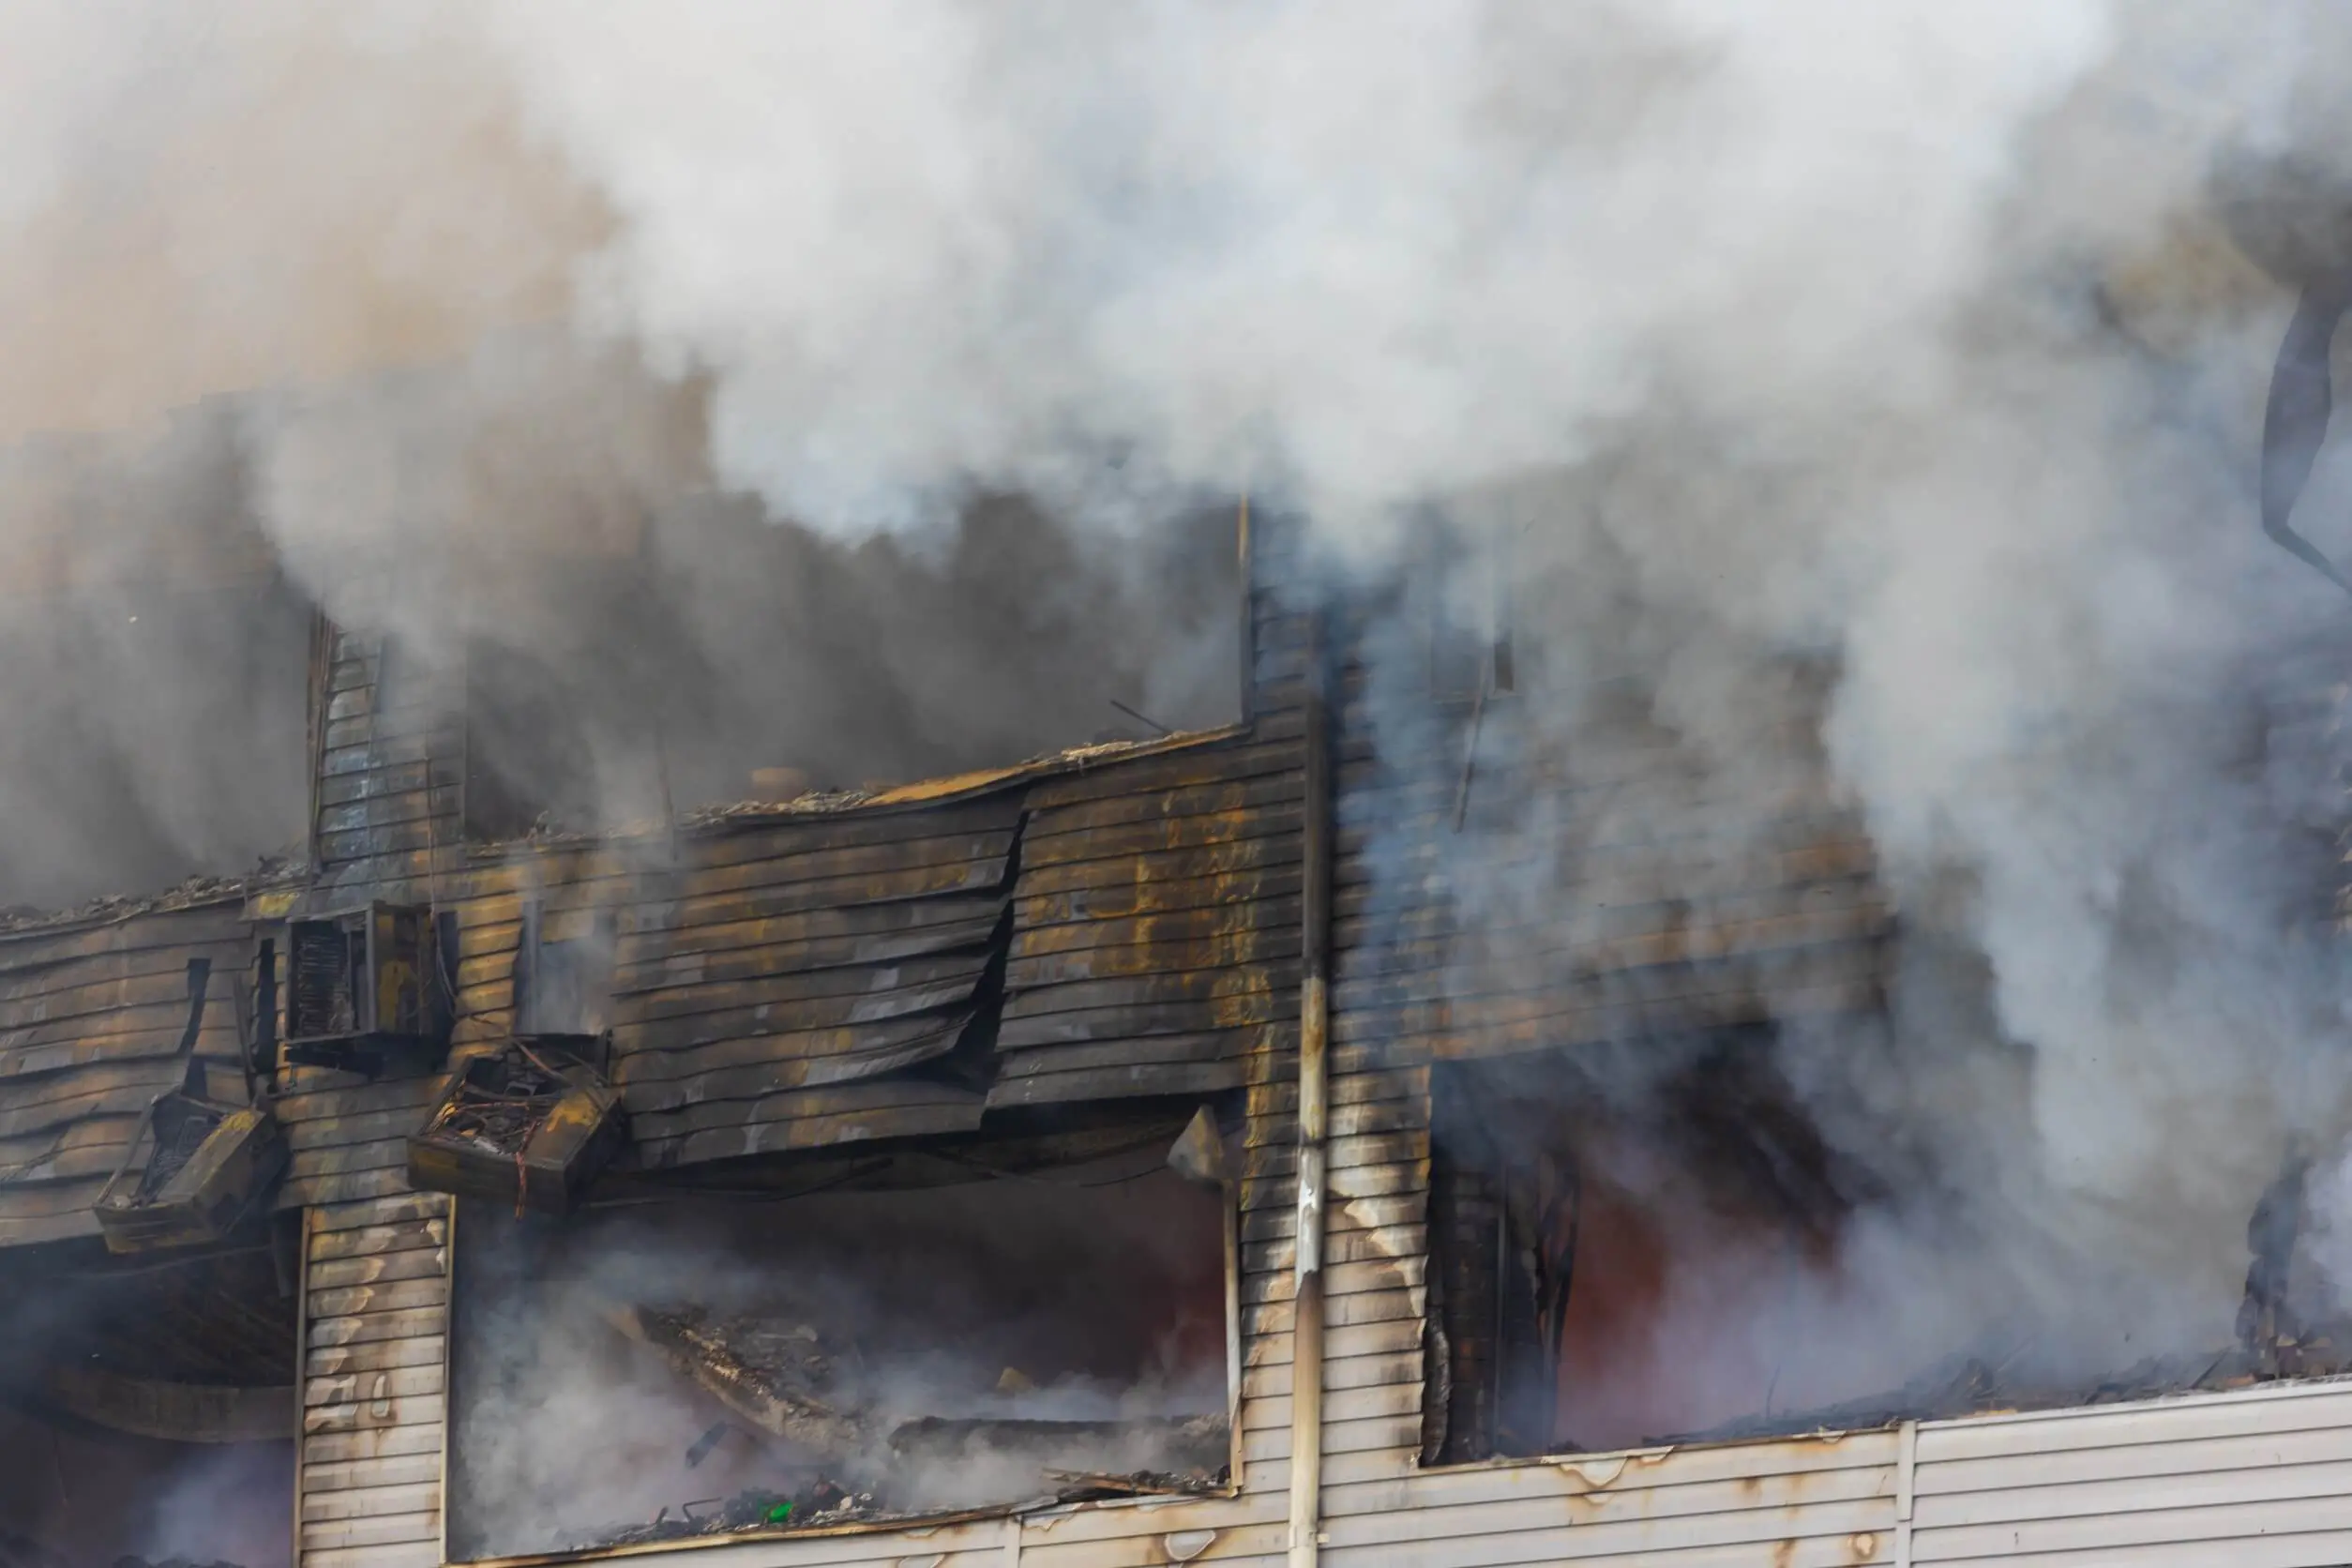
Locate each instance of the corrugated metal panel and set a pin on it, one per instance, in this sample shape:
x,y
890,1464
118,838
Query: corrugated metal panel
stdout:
x,y
2260,1477
376,1293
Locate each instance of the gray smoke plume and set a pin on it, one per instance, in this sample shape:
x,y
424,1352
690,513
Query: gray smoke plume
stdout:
x,y
1901,341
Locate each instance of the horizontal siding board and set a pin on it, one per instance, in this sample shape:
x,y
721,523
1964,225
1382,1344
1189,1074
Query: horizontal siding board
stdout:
x,y
422,1554
320,1478
2022,1475
395,1530
2278,1408
380,1355
2220,1525
2085,1502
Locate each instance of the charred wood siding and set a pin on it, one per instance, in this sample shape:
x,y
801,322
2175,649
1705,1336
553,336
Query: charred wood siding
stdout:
x,y
799,981
786,985
1494,897
1503,888
390,769
90,1024
1155,927
375,1302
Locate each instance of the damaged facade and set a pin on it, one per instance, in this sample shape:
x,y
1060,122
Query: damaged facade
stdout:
x,y
917,1175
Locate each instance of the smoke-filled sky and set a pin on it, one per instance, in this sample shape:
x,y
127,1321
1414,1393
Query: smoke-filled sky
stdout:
x,y
1899,335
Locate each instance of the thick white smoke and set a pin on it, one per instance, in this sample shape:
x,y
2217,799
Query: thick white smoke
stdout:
x,y
1900,335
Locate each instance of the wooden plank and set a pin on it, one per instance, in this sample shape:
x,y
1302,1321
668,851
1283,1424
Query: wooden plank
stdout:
x,y
424,1409
1160,837
913,883
1229,1044
423,1263
1210,986
662,1109
655,1075
1192,800
855,995
1219,764
407,1323
1242,918
402,1210
386,1500
373,1239
421,1553
867,863
346,1098
1168,1079
376,1356
198,924
373,809
398,1382
1277,945
650,970
1126,1022
403,1470
1365,1276
1208,861
59,1222
301,1193
424,1528
374,1445
875,1094
382,1153
1137,897
777,1136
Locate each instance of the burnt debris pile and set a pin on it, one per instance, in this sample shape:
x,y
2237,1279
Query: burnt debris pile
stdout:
x,y
800,1399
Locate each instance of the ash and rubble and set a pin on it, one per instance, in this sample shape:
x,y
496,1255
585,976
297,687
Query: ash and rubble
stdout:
x,y
848,1358
796,1394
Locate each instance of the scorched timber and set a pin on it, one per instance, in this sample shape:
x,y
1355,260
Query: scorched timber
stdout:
x,y
765,1373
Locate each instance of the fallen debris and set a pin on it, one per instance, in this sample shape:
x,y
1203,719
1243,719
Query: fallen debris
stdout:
x,y
1186,1453
816,1502
777,1375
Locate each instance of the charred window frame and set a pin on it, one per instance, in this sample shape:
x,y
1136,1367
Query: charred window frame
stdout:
x,y
1547,1243
563,972
1203,1159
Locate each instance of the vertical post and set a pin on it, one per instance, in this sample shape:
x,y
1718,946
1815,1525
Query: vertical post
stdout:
x,y
1307,1357
318,694
1906,1472
1230,1195
1245,573
304,1218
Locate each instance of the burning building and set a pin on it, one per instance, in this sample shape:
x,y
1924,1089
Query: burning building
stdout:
x,y
775,924
918,1172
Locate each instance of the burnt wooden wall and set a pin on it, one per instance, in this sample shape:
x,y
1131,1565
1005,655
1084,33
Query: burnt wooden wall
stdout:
x,y
779,986
91,1017
1156,925
1105,924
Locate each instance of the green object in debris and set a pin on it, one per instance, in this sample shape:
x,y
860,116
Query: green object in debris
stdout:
x,y
780,1513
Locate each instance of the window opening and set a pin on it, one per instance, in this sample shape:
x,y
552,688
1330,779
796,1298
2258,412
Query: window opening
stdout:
x,y
844,1339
